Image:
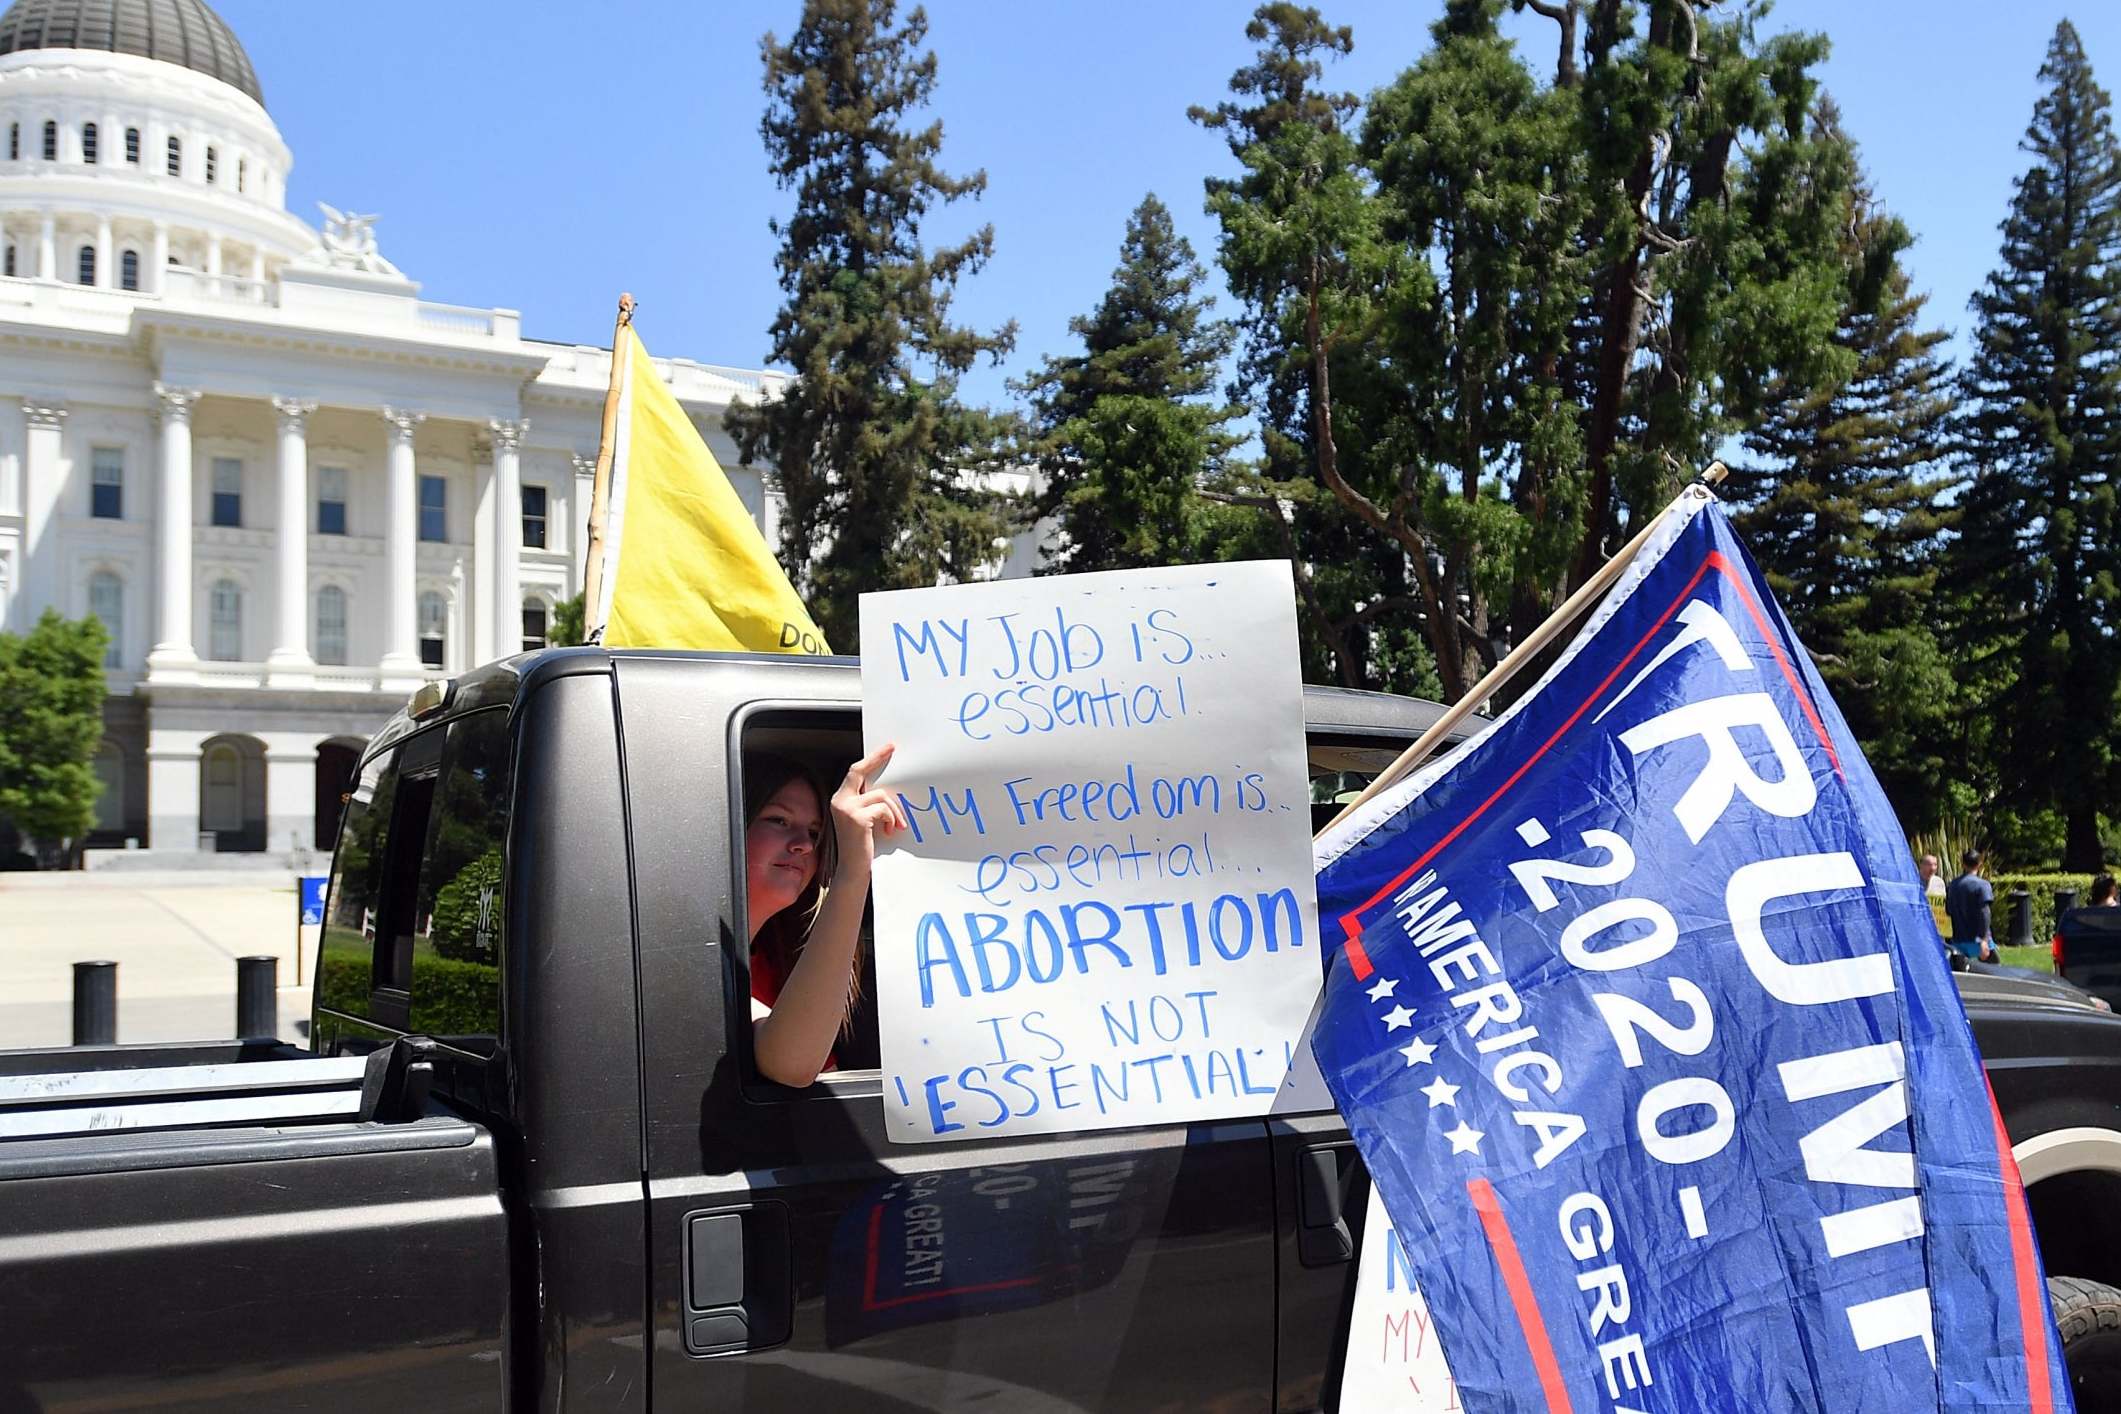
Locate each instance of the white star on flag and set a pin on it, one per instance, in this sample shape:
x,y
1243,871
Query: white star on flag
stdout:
x,y
1441,1092
1417,1052
1465,1139
1397,1018
1383,989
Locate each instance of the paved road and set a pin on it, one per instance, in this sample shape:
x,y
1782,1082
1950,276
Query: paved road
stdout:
x,y
175,938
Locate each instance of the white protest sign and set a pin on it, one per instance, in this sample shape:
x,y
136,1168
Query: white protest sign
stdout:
x,y
1393,1360
1103,913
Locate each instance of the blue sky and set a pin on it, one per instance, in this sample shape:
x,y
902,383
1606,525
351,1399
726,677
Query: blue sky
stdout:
x,y
544,156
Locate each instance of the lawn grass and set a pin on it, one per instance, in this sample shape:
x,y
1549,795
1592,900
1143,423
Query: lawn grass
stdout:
x,y
2040,958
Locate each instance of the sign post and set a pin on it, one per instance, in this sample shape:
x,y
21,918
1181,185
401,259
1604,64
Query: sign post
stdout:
x,y
1102,914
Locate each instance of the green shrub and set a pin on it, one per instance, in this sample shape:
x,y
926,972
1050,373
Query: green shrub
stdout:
x,y
450,996
2042,887
457,929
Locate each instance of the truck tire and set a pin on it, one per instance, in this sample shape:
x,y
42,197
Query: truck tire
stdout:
x,y
2088,1314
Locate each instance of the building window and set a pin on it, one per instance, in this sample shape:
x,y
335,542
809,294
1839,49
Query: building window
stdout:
x,y
228,492
534,517
534,621
10,260
132,146
434,629
85,265
331,625
331,500
176,156
129,270
14,142
106,600
213,161
51,142
88,143
225,622
434,509
223,803
110,795
106,487
242,172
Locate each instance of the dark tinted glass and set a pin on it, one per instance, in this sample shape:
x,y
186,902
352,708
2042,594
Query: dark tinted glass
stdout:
x,y
331,517
345,958
228,508
106,502
534,517
434,501
456,958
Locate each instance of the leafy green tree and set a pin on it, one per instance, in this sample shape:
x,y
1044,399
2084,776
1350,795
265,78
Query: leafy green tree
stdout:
x,y
565,630
51,721
876,459
2035,562
1842,509
1121,433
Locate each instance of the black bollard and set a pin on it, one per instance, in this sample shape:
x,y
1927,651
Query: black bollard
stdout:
x,y
95,1003
2021,917
257,998
2065,900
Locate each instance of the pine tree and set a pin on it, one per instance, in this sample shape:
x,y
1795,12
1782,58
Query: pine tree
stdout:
x,y
876,459
1123,438
1843,514
51,721
2035,558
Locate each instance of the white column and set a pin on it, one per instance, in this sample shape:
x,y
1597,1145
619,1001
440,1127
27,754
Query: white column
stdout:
x,y
213,255
508,535
48,248
44,462
401,645
174,659
485,519
290,793
158,276
106,277
290,664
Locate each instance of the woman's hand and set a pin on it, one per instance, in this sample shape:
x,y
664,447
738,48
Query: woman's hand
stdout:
x,y
861,811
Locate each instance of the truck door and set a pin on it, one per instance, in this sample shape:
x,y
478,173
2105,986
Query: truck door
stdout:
x,y
797,1259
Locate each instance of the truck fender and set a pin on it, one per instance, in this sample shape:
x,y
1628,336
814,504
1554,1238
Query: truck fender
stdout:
x,y
2071,1150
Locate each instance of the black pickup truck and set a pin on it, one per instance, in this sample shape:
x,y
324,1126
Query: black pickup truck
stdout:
x,y
528,1164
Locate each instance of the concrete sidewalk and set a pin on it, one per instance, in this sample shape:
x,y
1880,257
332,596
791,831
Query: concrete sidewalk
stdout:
x,y
174,935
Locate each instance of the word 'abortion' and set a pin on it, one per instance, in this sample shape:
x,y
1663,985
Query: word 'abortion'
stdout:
x,y
1023,677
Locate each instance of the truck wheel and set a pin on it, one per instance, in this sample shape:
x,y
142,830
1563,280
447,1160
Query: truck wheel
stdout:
x,y
2088,1314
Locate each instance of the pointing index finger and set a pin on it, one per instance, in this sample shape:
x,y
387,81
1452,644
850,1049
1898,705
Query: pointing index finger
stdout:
x,y
864,772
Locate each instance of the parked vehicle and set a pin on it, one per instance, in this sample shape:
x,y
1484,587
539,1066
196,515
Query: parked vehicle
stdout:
x,y
2088,950
530,1166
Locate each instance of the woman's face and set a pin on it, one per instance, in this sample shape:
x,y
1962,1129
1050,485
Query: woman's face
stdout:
x,y
780,849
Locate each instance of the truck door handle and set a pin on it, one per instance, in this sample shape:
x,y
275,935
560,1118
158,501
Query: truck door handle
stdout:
x,y
1325,1177
738,1289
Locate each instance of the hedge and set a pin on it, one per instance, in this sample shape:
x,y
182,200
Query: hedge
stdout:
x,y
2043,888
450,997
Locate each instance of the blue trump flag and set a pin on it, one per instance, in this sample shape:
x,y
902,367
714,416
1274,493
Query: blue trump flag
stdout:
x,y
1641,1022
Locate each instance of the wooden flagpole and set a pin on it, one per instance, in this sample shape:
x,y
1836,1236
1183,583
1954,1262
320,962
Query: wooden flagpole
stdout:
x,y
1499,676
600,492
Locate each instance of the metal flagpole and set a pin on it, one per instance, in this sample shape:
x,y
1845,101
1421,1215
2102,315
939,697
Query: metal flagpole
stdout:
x,y
600,492
1499,676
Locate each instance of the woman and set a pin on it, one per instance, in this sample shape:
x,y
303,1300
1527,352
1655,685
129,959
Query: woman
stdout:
x,y
2103,893
806,878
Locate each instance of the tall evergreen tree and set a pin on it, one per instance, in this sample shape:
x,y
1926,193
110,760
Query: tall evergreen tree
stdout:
x,y
2035,559
1123,437
875,457
1842,511
51,721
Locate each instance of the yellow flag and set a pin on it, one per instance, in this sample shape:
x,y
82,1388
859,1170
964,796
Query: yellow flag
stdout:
x,y
684,563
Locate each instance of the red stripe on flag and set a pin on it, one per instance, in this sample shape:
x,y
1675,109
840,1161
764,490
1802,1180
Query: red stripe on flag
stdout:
x,y
1351,923
1519,1286
2025,1271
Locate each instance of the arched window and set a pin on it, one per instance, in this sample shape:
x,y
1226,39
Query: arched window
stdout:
x,y
176,155
110,777
213,160
132,146
106,600
51,141
223,800
85,265
225,622
536,625
434,630
331,625
129,270
88,143
14,142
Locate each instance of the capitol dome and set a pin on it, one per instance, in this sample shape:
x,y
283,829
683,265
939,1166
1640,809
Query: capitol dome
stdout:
x,y
182,32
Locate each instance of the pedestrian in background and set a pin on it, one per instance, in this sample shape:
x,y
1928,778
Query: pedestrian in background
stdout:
x,y
1932,875
1968,900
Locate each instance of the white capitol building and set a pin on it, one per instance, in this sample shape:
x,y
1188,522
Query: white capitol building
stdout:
x,y
291,487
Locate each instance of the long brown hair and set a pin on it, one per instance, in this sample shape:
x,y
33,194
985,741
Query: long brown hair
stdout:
x,y
780,938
